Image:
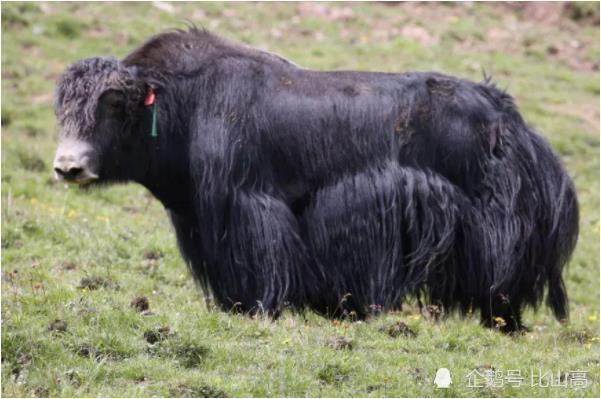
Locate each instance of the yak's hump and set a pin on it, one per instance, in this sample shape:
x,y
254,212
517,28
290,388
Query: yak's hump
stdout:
x,y
184,51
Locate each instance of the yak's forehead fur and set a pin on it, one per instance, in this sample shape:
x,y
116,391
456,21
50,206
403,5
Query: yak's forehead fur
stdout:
x,y
82,84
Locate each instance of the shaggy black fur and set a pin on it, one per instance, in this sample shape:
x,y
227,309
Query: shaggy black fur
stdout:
x,y
339,191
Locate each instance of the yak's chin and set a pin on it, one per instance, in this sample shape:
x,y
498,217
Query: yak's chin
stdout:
x,y
102,182
82,183
82,178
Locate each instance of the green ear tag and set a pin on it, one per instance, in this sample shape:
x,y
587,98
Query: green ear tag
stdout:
x,y
153,131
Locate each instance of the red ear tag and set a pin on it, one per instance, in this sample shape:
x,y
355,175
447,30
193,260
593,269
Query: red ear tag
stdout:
x,y
149,100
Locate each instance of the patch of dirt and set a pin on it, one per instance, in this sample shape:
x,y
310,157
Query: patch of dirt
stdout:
x,y
93,283
140,304
554,13
68,265
81,306
196,391
573,53
41,392
545,12
192,356
85,350
74,377
88,350
340,343
513,33
153,254
399,329
582,336
152,257
419,34
58,326
327,12
153,336
588,113
189,355
583,12
22,361
333,374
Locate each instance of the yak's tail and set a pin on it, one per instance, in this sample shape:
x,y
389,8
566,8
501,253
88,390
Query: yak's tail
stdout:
x,y
531,223
559,223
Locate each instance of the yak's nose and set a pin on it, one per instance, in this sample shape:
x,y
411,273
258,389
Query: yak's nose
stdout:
x,y
68,172
69,169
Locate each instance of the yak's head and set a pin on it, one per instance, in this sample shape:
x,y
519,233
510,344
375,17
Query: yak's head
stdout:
x,y
98,101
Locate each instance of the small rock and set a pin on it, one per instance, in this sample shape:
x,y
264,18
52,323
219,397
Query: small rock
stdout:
x,y
140,304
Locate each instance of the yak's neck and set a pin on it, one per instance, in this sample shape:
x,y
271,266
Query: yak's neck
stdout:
x,y
168,174
166,151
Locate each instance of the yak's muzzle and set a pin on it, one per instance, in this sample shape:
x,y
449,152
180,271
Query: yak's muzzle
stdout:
x,y
72,162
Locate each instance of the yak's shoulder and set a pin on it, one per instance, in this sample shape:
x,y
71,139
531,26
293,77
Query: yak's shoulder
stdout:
x,y
170,51
185,51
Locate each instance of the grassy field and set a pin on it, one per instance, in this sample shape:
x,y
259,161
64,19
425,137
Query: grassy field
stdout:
x,y
74,263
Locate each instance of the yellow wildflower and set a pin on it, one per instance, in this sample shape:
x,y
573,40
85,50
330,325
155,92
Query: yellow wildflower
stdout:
x,y
500,321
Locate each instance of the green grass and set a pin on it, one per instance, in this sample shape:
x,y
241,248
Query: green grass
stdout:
x,y
53,235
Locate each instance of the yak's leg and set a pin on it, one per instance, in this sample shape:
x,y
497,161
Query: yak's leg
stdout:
x,y
261,263
501,313
350,233
255,258
189,243
379,234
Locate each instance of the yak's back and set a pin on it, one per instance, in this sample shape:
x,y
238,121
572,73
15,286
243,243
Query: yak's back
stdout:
x,y
181,52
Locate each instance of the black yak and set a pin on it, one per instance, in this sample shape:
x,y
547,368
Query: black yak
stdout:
x,y
342,192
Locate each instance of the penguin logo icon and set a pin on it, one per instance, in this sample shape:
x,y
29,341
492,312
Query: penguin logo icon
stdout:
x,y
443,378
